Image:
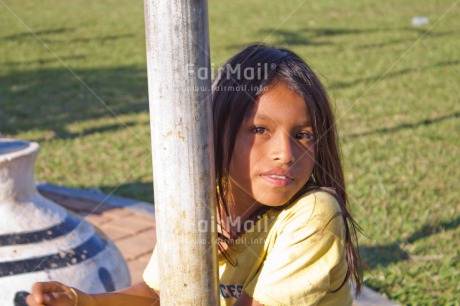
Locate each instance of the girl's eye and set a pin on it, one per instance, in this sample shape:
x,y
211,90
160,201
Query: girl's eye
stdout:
x,y
259,130
304,135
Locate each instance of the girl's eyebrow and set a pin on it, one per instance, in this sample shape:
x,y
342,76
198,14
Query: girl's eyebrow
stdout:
x,y
263,117
304,124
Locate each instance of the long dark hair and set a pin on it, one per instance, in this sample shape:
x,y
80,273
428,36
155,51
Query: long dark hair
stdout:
x,y
238,84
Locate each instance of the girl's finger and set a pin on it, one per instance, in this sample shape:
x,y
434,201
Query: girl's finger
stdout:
x,y
45,287
39,290
50,294
32,301
58,299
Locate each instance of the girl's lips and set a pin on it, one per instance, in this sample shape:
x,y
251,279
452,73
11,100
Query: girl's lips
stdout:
x,y
277,180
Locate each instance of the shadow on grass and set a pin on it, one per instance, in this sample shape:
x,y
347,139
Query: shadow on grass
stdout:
x,y
382,76
304,37
47,36
102,38
43,61
50,99
410,41
27,34
404,126
317,36
384,255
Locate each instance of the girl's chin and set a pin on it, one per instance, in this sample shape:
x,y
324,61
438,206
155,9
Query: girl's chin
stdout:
x,y
275,196
273,201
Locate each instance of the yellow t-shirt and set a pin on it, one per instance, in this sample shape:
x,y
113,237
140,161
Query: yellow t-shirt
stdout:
x,y
290,256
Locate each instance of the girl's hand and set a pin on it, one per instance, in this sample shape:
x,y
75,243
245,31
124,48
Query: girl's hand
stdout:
x,y
52,294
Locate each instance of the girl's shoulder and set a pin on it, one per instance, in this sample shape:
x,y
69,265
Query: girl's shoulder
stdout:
x,y
316,208
316,201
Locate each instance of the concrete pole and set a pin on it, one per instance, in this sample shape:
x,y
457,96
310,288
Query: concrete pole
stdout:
x,y
182,148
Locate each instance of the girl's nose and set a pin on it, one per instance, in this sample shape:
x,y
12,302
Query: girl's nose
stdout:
x,y
282,149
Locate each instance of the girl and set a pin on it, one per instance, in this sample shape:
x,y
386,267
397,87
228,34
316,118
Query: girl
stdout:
x,y
285,232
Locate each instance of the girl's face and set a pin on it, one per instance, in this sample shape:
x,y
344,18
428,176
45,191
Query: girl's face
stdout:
x,y
274,155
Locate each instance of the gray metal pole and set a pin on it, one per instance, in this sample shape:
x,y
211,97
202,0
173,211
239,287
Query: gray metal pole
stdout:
x,y
182,148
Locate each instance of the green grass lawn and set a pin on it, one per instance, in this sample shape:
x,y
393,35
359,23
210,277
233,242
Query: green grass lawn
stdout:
x,y
78,86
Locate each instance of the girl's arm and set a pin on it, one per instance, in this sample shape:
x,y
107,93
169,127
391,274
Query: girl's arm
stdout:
x,y
57,294
246,300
